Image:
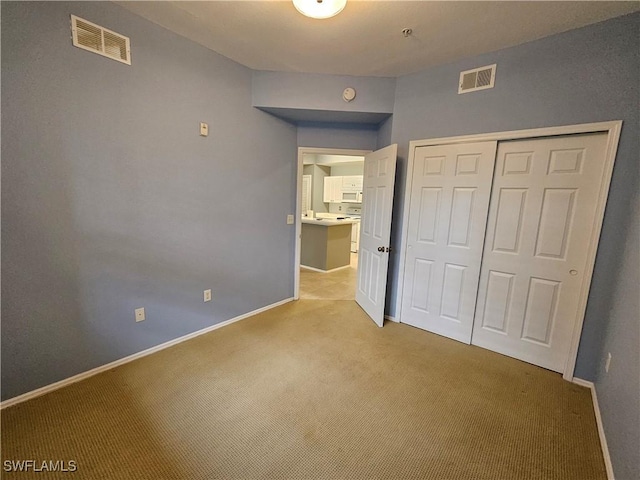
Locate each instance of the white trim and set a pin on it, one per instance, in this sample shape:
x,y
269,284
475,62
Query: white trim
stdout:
x,y
612,129
324,271
391,319
596,410
519,134
90,373
302,151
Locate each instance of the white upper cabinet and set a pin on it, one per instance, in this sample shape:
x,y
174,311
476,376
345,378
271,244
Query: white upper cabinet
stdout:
x,y
350,182
335,186
332,190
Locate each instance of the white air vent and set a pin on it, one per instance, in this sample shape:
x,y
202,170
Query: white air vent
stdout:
x,y
477,79
97,39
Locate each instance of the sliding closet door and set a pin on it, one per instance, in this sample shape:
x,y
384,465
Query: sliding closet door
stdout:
x,y
543,208
450,194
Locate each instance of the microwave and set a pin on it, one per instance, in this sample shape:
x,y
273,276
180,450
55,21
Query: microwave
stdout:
x,y
351,197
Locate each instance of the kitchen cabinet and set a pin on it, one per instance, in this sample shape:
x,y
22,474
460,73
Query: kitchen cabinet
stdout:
x,y
332,190
334,186
352,182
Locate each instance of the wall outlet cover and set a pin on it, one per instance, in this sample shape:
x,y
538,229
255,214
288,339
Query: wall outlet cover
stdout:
x,y
140,315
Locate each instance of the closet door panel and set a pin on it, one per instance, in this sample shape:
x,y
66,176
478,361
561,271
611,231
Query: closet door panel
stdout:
x,y
543,208
447,219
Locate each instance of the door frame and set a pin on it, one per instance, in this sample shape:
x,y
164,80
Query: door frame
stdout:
x,y
611,128
302,151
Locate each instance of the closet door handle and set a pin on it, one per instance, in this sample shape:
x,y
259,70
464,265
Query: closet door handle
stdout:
x,y
381,249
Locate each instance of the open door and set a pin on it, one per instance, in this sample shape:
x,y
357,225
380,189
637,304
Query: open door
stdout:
x,y
375,231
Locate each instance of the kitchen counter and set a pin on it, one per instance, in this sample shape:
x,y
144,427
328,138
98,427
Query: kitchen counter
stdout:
x,y
327,222
325,243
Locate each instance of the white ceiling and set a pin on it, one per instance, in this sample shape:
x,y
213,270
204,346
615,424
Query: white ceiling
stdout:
x,y
366,38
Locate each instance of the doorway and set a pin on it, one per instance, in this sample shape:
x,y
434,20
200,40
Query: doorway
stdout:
x,y
374,190
329,211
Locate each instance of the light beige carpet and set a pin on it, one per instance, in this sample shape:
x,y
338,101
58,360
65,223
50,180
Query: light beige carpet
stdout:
x,y
313,389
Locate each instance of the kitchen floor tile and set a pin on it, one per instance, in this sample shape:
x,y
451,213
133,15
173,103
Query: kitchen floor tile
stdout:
x,y
338,285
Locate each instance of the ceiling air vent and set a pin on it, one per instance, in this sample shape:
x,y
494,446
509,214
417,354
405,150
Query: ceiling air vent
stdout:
x,y
477,79
97,39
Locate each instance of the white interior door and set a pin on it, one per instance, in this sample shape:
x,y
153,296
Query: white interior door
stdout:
x,y
450,191
543,207
375,231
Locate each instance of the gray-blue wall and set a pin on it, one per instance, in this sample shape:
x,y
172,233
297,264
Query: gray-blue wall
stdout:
x,y
111,200
384,133
619,389
309,91
356,137
582,76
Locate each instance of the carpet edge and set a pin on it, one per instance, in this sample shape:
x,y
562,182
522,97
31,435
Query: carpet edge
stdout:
x,y
38,392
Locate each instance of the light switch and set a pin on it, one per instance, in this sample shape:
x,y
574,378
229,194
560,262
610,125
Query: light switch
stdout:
x,y
204,129
289,219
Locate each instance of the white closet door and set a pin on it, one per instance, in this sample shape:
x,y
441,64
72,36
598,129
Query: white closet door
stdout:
x,y
450,194
543,207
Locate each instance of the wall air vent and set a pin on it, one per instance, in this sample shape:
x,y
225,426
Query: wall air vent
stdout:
x,y
97,39
477,79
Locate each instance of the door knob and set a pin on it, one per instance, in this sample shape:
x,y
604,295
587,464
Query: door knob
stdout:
x,y
388,249
573,272
381,249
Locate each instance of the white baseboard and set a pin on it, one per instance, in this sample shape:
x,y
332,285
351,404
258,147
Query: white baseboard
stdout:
x,y
596,409
306,267
392,319
90,373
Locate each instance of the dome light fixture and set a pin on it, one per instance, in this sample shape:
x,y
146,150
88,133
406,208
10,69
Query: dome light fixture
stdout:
x,y
319,8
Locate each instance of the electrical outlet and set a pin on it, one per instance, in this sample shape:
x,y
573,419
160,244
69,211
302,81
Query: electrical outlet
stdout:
x,y
608,364
140,314
207,295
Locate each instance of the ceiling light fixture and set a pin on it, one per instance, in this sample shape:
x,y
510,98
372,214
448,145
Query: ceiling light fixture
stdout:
x,y
319,8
